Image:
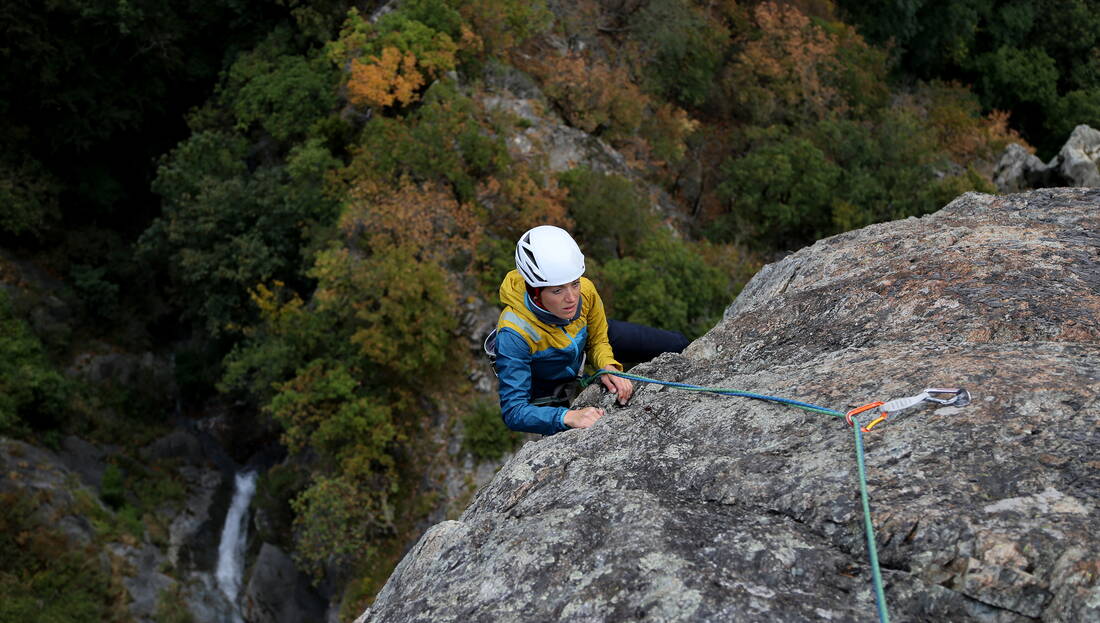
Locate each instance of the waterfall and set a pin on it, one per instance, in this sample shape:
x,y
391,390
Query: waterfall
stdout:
x,y
234,535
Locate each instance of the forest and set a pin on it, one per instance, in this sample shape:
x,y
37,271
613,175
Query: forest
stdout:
x,y
301,203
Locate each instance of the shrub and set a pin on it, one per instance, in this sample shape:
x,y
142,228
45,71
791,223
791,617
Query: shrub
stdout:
x,y
112,488
443,140
33,394
99,294
484,434
611,215
339,520
43,577
502,25
668,284
780,193
28,197
280,92
682,49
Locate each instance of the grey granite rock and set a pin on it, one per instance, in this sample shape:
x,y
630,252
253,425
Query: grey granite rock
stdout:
x,y
694,507
1019,169
1079,159
277,592
1077,164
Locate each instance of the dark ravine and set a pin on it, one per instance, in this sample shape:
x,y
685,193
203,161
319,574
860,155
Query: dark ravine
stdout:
x,y
687,507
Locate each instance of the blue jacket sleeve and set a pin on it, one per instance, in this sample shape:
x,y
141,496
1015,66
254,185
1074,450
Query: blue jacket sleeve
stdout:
x,y
514,375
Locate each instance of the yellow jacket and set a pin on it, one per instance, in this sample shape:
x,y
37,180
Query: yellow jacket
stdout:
x,y
537,350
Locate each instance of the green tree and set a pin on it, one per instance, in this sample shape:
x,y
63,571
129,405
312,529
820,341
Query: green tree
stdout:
x,y
780,193
226,229
401,305
667,284
1073,109
33,394
283,93
1022,55
1010,76
611,215
682,49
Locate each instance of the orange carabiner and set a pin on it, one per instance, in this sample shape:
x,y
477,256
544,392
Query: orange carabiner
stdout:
x,y
875,422
857,411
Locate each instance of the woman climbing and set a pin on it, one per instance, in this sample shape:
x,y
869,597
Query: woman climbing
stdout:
x,y
554,319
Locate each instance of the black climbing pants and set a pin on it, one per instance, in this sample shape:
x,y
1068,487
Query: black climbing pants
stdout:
x,y
636,343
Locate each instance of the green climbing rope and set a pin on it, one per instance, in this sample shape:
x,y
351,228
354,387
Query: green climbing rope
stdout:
x,y
876,574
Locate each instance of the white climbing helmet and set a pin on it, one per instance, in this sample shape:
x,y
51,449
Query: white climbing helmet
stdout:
x,y
548,256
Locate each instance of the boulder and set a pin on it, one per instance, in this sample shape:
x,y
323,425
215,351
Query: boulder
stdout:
x,y
146,585
1019,170
1079,160
695,507
1077,164
85,458
59,497
278,593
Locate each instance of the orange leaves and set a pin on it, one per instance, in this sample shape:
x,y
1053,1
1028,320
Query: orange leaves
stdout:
x,y
782,67
793,68
598,98
383,82
424,217
389,62
954,115
517,203
590,93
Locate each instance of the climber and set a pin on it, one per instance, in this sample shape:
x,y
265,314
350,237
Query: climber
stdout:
x,y
553,320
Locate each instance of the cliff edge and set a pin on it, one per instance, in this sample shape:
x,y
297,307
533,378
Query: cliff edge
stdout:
x,y
694,507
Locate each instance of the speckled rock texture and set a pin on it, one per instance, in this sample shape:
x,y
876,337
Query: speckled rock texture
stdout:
x,y
695,507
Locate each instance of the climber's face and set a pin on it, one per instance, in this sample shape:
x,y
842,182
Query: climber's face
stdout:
x,y
562,300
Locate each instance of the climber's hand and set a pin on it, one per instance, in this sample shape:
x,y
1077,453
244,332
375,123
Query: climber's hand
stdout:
x,y
618,385
582,418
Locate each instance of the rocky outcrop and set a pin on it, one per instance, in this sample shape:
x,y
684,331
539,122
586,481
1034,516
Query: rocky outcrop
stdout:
x,y
1077,164
694,507
278,592
548,142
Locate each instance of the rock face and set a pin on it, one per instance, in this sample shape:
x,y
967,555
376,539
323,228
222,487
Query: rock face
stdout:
x,y
1077,164
277,591
695,507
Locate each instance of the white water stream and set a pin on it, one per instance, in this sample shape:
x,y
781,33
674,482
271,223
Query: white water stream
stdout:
x,y
234,535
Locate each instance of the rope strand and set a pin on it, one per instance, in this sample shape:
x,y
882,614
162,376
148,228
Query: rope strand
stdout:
x,y
872,550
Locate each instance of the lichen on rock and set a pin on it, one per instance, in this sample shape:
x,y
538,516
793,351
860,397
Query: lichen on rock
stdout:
x,y
694,507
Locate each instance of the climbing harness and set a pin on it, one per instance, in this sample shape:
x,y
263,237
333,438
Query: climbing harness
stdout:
x,y
958,397
490,348
559,396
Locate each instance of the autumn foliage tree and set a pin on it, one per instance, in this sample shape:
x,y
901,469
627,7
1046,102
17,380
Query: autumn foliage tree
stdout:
x,y
791,68
391,60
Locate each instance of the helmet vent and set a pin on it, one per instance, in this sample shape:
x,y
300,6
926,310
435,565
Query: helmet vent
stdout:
x,y
533,265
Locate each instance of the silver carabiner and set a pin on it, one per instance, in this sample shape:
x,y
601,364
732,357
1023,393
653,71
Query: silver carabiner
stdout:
x,y
961,397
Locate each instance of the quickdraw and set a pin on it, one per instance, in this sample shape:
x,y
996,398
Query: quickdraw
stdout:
x,y
959,398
